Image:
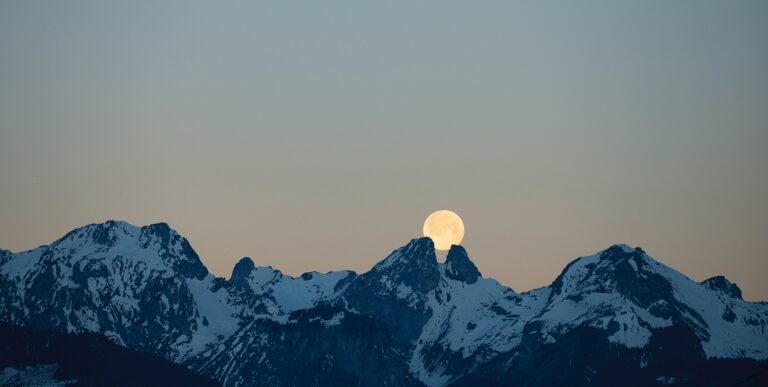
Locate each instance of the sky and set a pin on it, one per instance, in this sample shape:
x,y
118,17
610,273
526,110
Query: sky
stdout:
x,y
319,135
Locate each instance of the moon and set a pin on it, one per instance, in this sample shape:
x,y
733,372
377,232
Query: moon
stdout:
x,y
445,228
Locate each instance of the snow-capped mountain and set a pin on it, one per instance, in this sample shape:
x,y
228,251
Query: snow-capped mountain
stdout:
x,y
618,315
627,293
143,287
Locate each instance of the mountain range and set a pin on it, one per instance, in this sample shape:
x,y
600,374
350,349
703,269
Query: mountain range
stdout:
x,y
618,317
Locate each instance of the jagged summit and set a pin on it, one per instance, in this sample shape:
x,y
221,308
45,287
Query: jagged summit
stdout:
x,y
242,270
413,265
459,266
419,252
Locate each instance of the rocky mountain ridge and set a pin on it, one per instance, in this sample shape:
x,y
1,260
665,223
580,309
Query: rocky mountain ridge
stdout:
x,y
410,320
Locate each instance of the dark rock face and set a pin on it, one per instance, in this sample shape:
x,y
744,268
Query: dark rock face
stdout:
x,y
722,284
102,234
459,267
90,360
241,271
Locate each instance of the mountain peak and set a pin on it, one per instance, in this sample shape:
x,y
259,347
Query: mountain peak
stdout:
x,y
419,252
109,232
420,245
620,249
627,270
722,284
413,265
105,234
162,230
157,243
395,290
459,266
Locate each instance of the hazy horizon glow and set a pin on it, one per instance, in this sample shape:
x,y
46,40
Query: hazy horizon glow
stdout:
x,y
320,135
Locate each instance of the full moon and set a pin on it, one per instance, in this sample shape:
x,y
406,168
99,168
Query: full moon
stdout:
x,y
445,228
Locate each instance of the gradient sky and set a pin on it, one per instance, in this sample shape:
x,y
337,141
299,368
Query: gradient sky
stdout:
x,y
319,135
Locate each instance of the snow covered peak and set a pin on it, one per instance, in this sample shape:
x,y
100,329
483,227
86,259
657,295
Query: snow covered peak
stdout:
x,y
156,246
104,234
625,248
628,270
140,286
629,294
